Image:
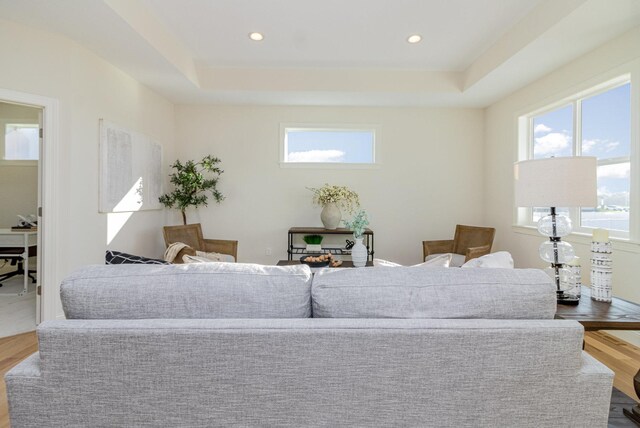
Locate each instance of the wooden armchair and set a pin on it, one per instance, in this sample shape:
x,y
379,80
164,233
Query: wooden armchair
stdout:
x,y
468,241
191,234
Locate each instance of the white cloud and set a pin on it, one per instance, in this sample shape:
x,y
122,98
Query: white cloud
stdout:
x,y
587,145
541,128
605,145
621,170
612,145
317,156
551,143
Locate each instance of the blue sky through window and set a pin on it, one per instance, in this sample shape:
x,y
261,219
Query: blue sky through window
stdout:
x,y
553,133
606,121
333,146
605,124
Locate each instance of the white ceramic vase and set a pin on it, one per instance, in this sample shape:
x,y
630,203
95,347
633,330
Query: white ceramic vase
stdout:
x,y
359,254
331,216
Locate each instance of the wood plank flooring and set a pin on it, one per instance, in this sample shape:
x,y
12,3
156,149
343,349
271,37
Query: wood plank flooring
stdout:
x,y
620,356
13,350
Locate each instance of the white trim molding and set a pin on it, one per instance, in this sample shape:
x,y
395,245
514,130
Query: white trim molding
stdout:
x,y
47,233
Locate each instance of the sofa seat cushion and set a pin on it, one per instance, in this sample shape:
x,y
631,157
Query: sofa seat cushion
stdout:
x,y
199,290
414,292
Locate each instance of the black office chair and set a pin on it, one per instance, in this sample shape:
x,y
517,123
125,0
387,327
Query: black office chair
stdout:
x,y
8,253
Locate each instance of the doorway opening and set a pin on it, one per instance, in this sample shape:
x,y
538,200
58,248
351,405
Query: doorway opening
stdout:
x,y
20,152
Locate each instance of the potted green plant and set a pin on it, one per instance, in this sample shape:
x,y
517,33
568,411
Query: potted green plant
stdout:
x,y
333,199
358,224
313,243
193,182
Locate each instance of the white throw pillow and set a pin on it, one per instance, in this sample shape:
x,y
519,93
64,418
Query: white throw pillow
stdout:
x,y
457,260
384,263
500,259
442,260
204,257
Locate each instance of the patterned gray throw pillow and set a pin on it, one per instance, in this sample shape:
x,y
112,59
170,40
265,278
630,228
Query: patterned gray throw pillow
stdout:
x,y
119,258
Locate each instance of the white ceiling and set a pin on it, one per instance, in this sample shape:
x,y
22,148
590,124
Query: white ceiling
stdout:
x,y
333,52
339,33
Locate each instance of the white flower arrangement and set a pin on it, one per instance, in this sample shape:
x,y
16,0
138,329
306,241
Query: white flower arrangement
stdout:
x,y
341,195
358,224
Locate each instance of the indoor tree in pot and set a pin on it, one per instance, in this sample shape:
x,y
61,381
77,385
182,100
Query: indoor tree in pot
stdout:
x,y
333,199
192,181
358,224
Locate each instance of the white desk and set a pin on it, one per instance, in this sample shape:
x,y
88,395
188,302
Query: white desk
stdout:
x,y
23,240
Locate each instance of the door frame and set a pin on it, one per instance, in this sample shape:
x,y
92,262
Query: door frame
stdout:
x,y
47,224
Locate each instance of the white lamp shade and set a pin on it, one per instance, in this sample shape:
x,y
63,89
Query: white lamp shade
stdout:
x,y
556,182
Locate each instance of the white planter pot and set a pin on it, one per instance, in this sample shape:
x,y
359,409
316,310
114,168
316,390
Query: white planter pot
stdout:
x,y
331,216
314,248
359,254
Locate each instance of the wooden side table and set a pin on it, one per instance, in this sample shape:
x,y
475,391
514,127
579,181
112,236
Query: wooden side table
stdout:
x,y
620,314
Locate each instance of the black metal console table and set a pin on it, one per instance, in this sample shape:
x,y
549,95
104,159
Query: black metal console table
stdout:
x,y
292,248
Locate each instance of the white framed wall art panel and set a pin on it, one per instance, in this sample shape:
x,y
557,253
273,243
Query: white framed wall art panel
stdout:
x,y
130,170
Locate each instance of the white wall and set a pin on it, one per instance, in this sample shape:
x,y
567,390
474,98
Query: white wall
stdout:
x,y
430,177
18,183
615,58
88,88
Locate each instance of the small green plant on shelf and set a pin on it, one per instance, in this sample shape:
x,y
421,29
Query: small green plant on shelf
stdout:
x,y
313,242
312,239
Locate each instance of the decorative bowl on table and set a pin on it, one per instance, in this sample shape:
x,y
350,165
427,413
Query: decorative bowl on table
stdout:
x,y
315,261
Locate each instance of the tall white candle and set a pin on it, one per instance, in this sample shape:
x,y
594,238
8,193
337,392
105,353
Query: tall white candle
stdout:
x,y
600,235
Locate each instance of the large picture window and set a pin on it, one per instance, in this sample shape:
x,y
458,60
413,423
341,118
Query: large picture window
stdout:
x,y
593,123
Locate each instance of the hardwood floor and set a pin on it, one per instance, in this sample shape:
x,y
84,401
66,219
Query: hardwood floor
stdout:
x,y
13,350
620,356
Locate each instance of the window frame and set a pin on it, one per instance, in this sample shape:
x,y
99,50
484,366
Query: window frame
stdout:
x,y
315,127
524,215
16,162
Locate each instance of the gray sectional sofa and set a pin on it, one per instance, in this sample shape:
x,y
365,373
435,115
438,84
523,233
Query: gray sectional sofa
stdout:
x,y
221,345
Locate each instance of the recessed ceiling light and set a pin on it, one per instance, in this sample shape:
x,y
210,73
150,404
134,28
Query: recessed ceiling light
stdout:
x,y
414,38
256,37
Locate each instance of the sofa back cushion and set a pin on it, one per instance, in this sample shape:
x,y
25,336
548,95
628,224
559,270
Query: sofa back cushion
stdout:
x,y
412,292
206,290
